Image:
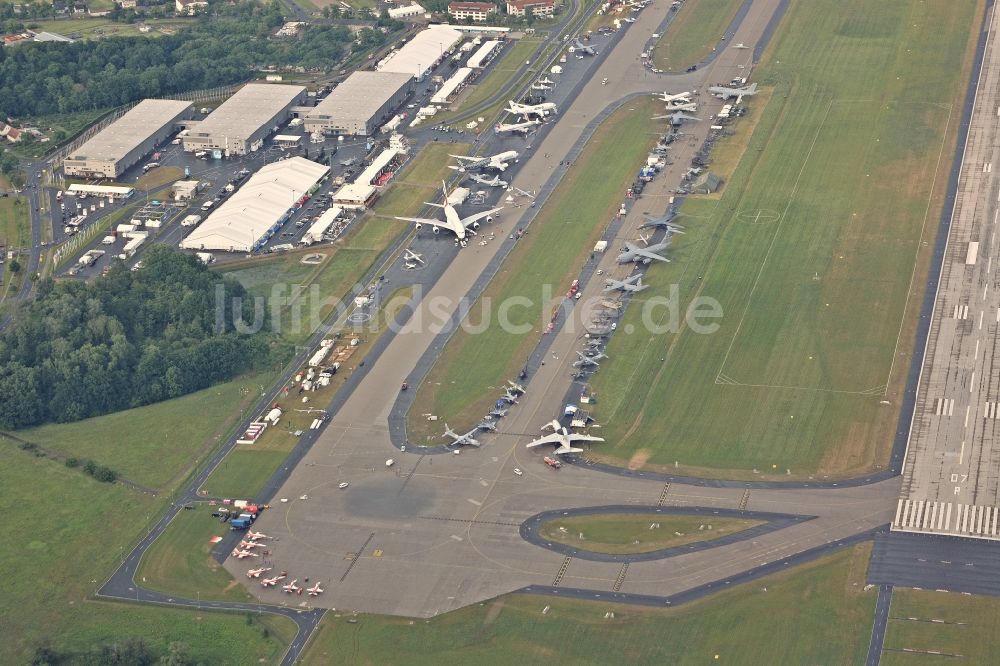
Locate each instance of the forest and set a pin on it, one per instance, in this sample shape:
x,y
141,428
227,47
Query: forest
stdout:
x,y
129,339
44,78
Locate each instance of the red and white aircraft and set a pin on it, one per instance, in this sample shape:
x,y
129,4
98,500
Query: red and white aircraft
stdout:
x,y
271,582
240,554
292,587
250,544
315,590
256,573
253,536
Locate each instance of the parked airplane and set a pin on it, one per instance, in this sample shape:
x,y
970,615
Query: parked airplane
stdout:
x,y
291,587
547,81
452,222
537,110
665,222
411,257
634,253
631,284
679,106
677,118
459,440
516,388
315,590
490,182
679,97
741,45
524,193
509,396
726,92
250,544
583,48
499,161
522,127
563,440
588,361
256,573
253,536
487,425
271,582
240,554
540,86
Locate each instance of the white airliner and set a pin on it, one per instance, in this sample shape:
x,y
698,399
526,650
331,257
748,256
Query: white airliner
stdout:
x,y
499,161
679,97
562,439
523,127
537,110
727,92
459,226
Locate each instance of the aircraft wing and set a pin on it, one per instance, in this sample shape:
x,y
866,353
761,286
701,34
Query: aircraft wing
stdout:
x,y
422,220
567,449
472,219
586,438
649,255
554,438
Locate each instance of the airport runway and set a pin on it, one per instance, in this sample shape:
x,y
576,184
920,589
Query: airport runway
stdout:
x,y
433,533
951,474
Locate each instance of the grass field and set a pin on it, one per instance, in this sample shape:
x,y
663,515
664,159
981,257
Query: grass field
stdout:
x,y
421,181
809,252
630,533
174,433
98,28
246,470
15,232
693,33
65,534
558,243
963,628
814,614
158,177
180,562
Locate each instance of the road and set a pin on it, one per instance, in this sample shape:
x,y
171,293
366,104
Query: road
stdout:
x,y
952,465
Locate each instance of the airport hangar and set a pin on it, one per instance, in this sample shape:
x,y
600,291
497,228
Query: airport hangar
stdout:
x,y
422,53
242,122
359,105
125,141
256,211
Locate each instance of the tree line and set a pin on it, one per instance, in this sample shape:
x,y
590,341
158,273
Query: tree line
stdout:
x,y
126,340
43,78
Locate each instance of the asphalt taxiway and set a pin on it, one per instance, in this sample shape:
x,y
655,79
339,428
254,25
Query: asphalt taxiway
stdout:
x,y
434,533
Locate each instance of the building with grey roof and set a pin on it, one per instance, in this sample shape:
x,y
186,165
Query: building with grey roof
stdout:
x,y
125,141
243,121
359,105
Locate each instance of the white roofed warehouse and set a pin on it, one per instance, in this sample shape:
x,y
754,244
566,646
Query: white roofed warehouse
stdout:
x,y
359,105
243,121
124,142
256,211
422,53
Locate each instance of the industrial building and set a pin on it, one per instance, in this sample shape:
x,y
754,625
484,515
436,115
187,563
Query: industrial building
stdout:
x,y
483,55
244,120
125,141
422,53
452,86
359,105
256,211
407,11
